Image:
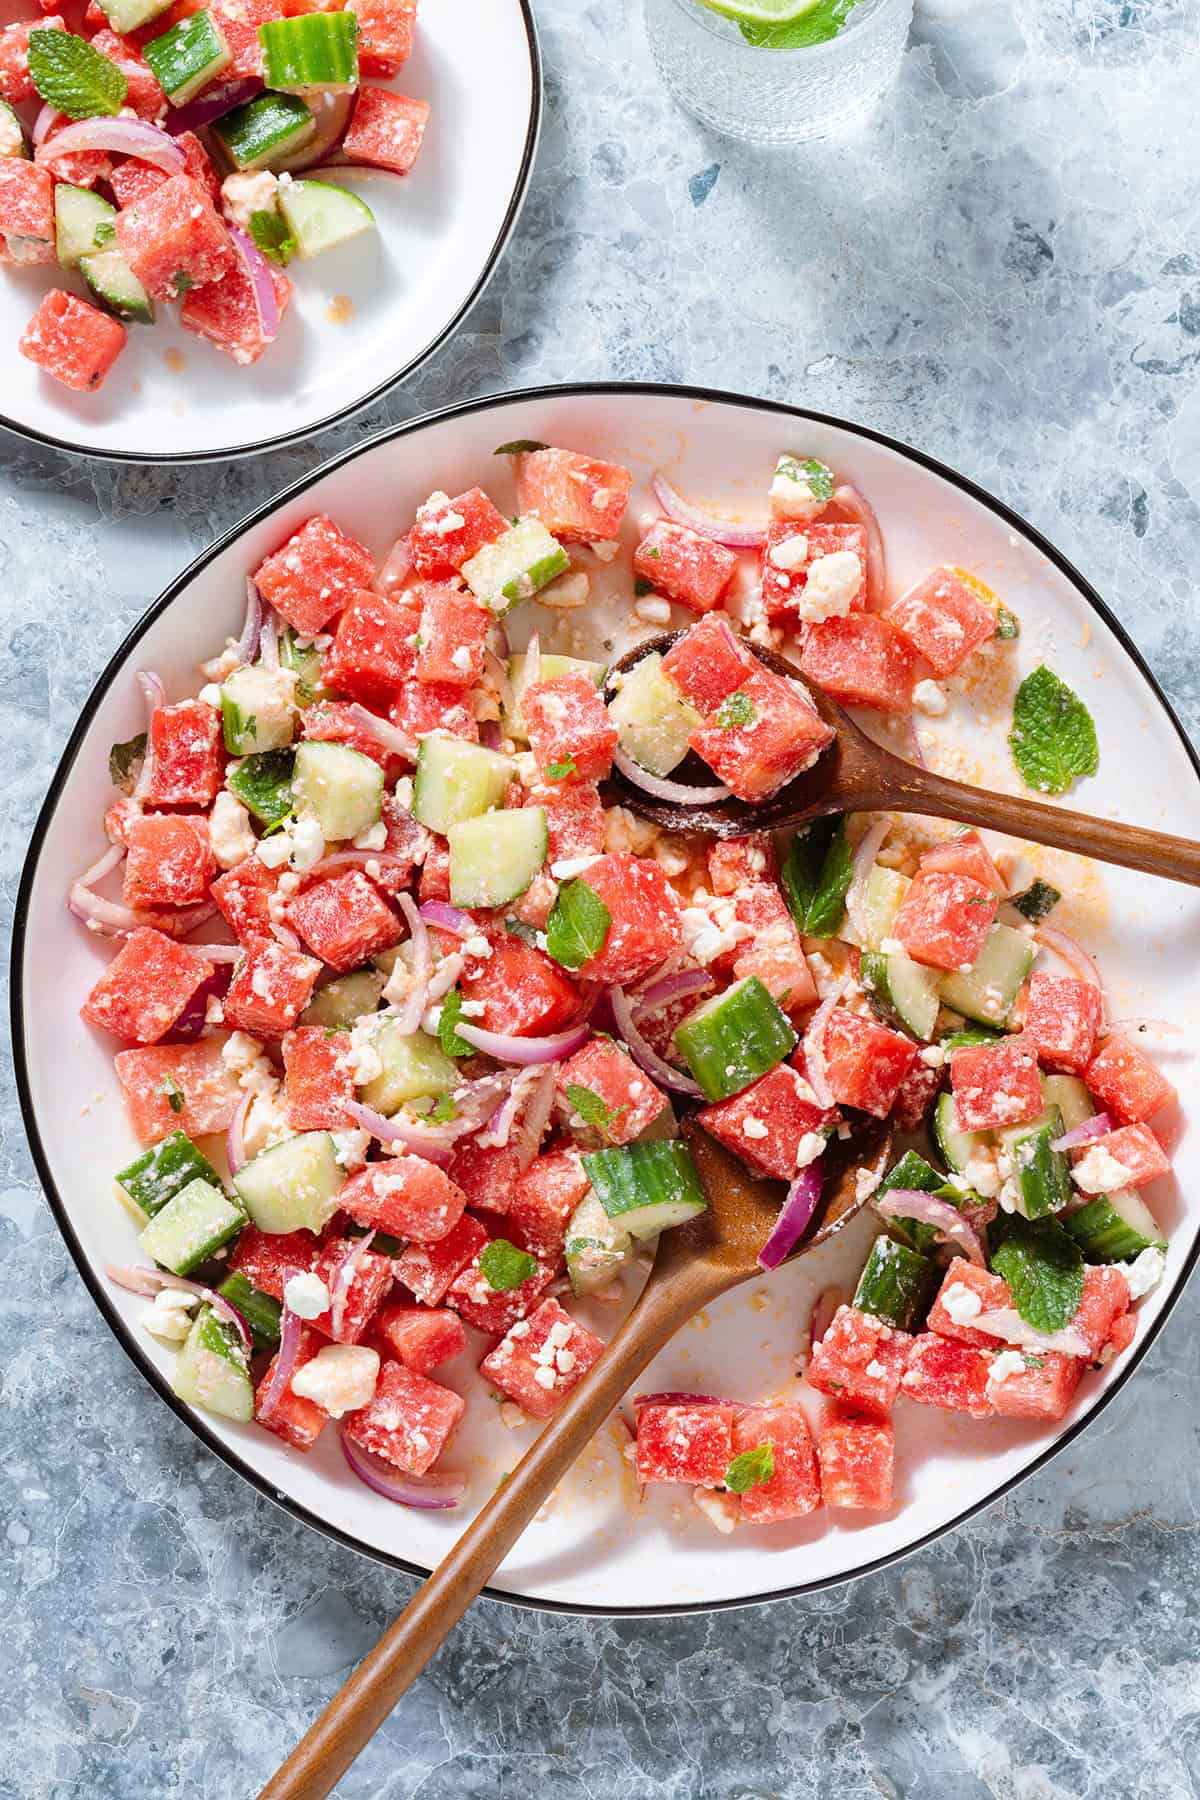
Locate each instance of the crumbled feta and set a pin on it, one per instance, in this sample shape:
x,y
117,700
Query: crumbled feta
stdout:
x,y
365,1059
229,831
1007,1363
652,609
308,844
833,581
306,1295
373,838
714,929
567,593
810,1147
792,553
928,698
961,1304
570,866
719,1509
606,549
754,1128
242,195
243,1056
477,945
1098,1172
210,693
350,1148
340,1378
982,1173
12,143
790,495
170,1317
891,946
275,850
874,1370
1144,1273
933,1056
865,1183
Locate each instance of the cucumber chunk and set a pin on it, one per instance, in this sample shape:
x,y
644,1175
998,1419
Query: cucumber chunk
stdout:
x,y
549,667
130,15
646,1187
212,1371
957,1147
653,723
263,784
1071,1097
456,780
292,1186
912,1171
157,1175
13,142
339,1004
304,660
312,52
192,1225
77,215
895,1283
986,992
188,56
319,214
114,284
261,1313
340,787
901,991
265,130
883,896
1114,1227
414,1068
1042,1175
596,1246
257,712
515,566
495,857
732,1039
970,1035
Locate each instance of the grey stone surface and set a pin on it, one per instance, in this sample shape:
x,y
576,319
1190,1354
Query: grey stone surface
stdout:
x,y
1002,268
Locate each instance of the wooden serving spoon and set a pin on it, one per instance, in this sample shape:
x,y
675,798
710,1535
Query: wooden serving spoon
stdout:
x,y
855,774
693,1265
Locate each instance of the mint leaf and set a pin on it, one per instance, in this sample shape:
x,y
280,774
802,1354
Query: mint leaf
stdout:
x,y
448,1020
444,1111
558,771
272,237
816,476
591,1108
816,26
816,877
736,709
1035,901
517,447
751,1469
69,74
1008,626
504,1267
578,924
124,761
170,1090
1053,739
1044,1269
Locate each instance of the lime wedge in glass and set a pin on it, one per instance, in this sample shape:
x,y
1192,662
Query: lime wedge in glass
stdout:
x,y
784,24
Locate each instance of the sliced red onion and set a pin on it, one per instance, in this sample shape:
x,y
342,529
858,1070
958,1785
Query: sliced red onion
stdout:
x,y
343,1277
235,1135
422,949
497,674
193,1020
490,735
262,287
644,1054
433,1142
680,1397
268,641
947,1221
794,1214
533,660
1072,953
290,1326
1163,1027
356,859
1006,1323
537,1088
524,1050
384,732
679,793
860,511
825,1306
445,976
128,137
212,105
216,953
44,124
709,525
814,1044
251,624
397,566
105,865
448,918
141,1280
498,640
672,987
864,862
153,692
426,1493
1094,1127
914,743
498,1130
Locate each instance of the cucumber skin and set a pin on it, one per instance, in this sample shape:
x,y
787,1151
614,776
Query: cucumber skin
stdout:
x,y
197,1205
261,1313
642,1179
741,1030
875,975
252,135
212,1372
1043,1175
343,1002
195,55
160,1173
912,1171
309,52
1104,1236
895,1284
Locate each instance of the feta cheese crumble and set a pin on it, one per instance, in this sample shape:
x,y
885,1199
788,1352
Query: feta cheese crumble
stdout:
x,y
340,1378
306,1295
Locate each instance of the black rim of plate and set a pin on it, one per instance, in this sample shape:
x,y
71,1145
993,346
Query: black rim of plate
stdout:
x,y
118,663
351,410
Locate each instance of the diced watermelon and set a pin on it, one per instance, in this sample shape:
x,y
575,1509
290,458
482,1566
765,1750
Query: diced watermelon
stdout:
x,y
406,846
314,574
577,498
332,721
856,1457
297,1420
860,1361
487,1174
132,180
81,168
424,706
774,951
226,313
374,648
630,1098
1134,1148
1122,1334
453,627
421,1337
865,1062
369,1285
1105,1298
187,763
170,860
318,1079
386,129
943,618
948,1375
244,897
142,91
427,1270
344,919
1043,1389
408,1422
569,728
271,986
174,240
995,1085
491,1309
1062,1017
914,1097
449,532
963,1279
786,571
763,735
767,1122
574,818
542,1202
861,661
435,870
644,915
708,662
145,987
268,1259
541,1359
685,1443
944,918
1126,1082
737,863
524,993
177,1087
72,341
681,563
792,1490
26,210
965,854
16,83
385,36
406,1197
239,21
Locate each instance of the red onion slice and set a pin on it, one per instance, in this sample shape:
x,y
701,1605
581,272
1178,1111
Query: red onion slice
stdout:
x,y
397,565
721,531
860,512
216,953
1094,1127
948,1222
535,1089
44,124
446,974
343,1278
643,1054
814,1044
821,1318
235,1135
679,793
427,1493
1072,953
1163,1027
497,674
864,861
213,105
262,287
672,987
524,1050
448,918
141,1280
498,1130
533,660
268,641
251,624
357,859
128,137
1006,1323
433,1142
914,743
680,1397
105,865
794,1215
384,732
413,1010
290,1326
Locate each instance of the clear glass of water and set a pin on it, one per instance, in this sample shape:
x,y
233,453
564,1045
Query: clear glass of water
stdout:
x,y
776,96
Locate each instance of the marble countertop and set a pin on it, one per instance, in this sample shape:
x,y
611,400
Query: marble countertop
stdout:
x,y
1002,268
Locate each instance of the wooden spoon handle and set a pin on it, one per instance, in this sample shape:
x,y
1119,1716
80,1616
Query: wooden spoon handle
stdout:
x,y
361,1705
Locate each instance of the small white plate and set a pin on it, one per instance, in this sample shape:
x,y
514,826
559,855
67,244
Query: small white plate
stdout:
x,y
596,1548
360,318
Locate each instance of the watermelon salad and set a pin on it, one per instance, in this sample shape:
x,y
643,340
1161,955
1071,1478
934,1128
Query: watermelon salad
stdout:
x,y
412,1099
153,149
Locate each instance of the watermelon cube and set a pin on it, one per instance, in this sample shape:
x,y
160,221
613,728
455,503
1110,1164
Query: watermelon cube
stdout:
x,y
742,862
26,211
1134,1149
966,1292
421,1337
427,1270
541,1358
800,584
487,1174
271,986
132,180
385,35
238,21
762,735
406,846
296,1419
344,920
449,532
72,341
226,313
630,1099
861,660
374,649
170,861
965,854
914,1097
708,662
1122,1334
1105,1298
16,83
244,897
767,1123
1126,1082
435,870
577,498
314,575
865,1062
523,992
574,818
187,762
269,1259
491,1309
685,1443
318,1079
856,1457
174,239
995,1085
453,627
944,618
408,1422
386,129
81,168
644,918
681,563
177,1087
145,987
542,1202
142,92
369,1285
333,722
423,706
1042,1389
773,951
948,1375
1062,1018
793,1489
570,732
860,1361
406,1197
943,919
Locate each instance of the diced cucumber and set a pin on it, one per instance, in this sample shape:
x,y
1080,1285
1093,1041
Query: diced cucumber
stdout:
x,y
212,1371
515,566
957,1147
130,15
260,1311
265,130
986,992
193,1224
257,712
305,662
77,214
456,780
157,1175
1071,1097
319,214
596,1246
338,1005
883,896
312,52
1042,1175
903,992
895,1283
340,787
188,56
732,1039
653,723
1114,1227
414,1067
646,1187
912,1171
13,141
114,284
495,857
549,667
263,784
969,1036
292,1186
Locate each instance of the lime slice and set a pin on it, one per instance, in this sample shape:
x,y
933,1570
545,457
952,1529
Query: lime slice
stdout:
x,y
761,12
